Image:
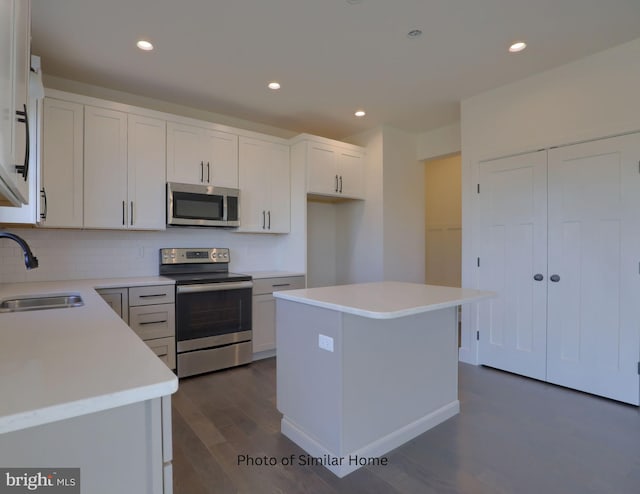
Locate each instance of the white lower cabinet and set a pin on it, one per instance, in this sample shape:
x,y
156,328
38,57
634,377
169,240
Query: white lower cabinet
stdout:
x,y
559,241
150,312
264,309
123,449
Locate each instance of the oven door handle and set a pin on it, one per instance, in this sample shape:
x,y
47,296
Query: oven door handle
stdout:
x,y
213,287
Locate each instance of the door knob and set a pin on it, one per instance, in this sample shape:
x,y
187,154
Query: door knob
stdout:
x,y
538,277
555,278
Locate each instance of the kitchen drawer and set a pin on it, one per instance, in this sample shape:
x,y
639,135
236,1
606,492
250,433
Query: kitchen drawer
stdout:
x,y
151,295
153,321
165,349
270,285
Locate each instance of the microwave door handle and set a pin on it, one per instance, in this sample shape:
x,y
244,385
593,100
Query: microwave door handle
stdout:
x,y
225,208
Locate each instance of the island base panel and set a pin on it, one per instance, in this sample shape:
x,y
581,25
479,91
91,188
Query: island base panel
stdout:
x,y
374,450
386,381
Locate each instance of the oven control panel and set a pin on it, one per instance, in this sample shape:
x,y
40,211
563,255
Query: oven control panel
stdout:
x,y
194,256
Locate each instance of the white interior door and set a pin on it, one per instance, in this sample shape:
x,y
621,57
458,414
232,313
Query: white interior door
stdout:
x,y
594,250
513,250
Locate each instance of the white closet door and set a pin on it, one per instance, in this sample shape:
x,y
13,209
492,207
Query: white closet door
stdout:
x,y
513,223
594,249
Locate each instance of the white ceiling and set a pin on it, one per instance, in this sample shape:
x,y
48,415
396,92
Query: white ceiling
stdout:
x,y
331,57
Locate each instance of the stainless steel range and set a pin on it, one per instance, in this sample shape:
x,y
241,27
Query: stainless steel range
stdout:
x,y
213,310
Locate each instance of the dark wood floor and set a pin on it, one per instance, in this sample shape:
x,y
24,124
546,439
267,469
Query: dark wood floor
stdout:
x,y
513,435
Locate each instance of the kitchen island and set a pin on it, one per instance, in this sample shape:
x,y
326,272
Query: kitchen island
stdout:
x,y
364,368
81,390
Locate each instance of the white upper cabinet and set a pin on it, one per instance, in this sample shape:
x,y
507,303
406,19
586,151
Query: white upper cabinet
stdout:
x,y
14,79
198,155
62,164
146,145
265,196
105,168
124,166
334,169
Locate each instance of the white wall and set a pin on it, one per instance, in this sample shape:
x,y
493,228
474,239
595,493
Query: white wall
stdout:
x,y
360,224
75,254
593,97
404,208
387,242
321,244
436,143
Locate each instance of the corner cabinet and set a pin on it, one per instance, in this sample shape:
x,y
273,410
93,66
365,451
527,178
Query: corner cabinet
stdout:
x,y
123,170
334,169
265,186
150,312
14,83
200,155
264,311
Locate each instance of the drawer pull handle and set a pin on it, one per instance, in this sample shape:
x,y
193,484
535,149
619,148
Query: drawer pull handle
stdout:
x,y
281,284
154,295
152,322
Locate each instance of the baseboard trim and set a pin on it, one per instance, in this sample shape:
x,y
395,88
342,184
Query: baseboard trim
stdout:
x,y
374,449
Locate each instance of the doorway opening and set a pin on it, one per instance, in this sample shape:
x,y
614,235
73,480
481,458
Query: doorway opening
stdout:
x,y
443,218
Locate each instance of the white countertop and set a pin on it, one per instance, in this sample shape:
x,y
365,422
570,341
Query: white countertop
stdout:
x,y
62,363
385,299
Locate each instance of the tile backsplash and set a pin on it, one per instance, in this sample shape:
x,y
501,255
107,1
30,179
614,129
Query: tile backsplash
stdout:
x,y
79,254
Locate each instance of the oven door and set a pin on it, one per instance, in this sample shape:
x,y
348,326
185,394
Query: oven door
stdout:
x,y
212,314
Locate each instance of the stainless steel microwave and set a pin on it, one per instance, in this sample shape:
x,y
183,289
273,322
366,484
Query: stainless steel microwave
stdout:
x,y
202,205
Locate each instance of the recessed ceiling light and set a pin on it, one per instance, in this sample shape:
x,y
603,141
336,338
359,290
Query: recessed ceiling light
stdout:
x,y
414,33
354,2
274,85
144,45
517,46
360,113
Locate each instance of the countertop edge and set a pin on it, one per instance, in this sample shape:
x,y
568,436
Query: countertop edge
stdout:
x,y
56,413
348,309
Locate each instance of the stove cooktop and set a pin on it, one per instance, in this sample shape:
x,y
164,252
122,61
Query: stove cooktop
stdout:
x,y
194,278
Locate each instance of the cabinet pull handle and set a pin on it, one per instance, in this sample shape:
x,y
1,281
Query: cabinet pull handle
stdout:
x,y
277,285
24,168
269,216
131,213
43,194
202,171
538,277
124,208
336,183
340,184
208,172
555,278
153,295
143,323
263,219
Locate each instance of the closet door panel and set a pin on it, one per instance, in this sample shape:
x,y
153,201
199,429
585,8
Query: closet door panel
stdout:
x,y
512,203
594,249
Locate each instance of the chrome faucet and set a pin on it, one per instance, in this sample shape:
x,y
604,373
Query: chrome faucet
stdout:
x,y
30,261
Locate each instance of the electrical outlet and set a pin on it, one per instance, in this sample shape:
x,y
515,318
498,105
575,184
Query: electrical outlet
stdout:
x,y
325,342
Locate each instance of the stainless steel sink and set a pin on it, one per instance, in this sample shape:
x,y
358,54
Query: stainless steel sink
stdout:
x,y
41,302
